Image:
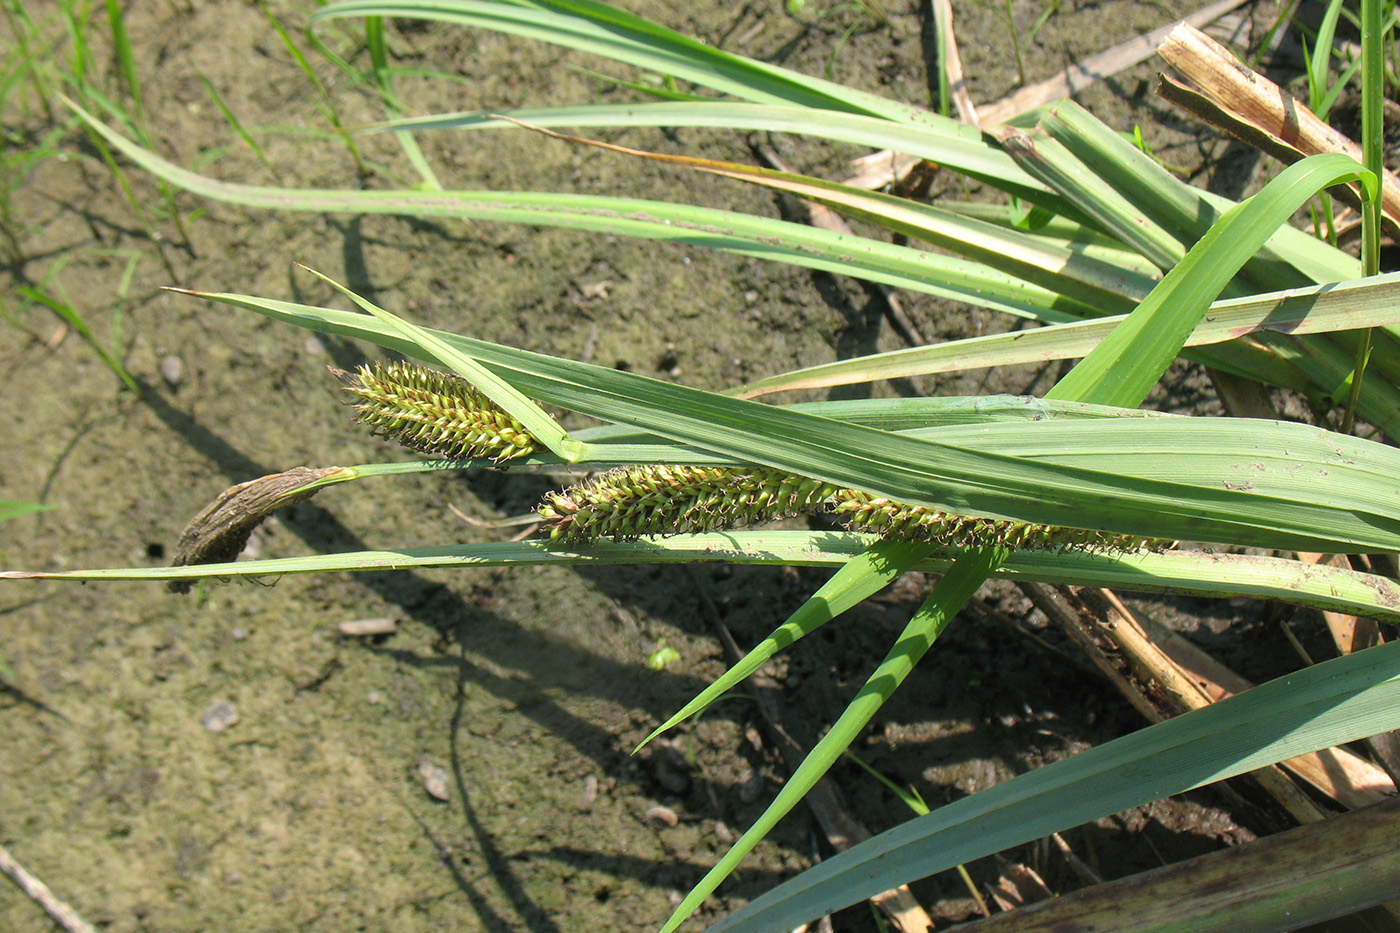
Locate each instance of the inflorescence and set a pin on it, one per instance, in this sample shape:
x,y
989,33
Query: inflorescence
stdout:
x,y
435,413
441,413
639,501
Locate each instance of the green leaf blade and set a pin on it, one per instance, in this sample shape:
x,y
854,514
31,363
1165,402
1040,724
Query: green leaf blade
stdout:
x,y
1331,703
858,579
1130,361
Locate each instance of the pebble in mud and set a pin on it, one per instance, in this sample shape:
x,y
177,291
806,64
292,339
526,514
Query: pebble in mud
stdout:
x,y
750,786
172,370
661,816
590,792
368,627
219,716
434,780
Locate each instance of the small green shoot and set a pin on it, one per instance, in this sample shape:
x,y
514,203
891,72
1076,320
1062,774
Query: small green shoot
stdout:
x,y
10,510
1015,44
30,50
378,46
663,657
236,125
1052,8
912,799
323,97
111,357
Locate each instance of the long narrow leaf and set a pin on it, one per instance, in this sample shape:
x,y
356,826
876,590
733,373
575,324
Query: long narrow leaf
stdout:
x,y
1191,573
961,480
952,145
614,33
1328,704
1099,286
1130,361
943,603
743,234
858,579
1185,213
1316,309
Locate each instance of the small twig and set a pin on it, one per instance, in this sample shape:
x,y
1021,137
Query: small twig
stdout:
x,y
1069,617
1078,865
39,892
1143,675
1293,642
996,615
467,519
531,525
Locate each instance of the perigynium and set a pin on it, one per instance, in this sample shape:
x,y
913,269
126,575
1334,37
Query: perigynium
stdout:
x,y
631,502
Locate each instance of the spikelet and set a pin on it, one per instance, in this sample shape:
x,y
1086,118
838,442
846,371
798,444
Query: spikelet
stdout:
x,y
631,502
433,412
861,511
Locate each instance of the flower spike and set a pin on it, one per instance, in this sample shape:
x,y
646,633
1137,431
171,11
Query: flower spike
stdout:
x,y
433,412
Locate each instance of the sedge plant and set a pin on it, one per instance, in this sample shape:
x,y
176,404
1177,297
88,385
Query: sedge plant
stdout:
x,y
917,468
1077,487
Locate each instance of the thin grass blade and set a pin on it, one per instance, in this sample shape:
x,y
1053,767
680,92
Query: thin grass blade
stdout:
x,y
858,579
761,238
948,596
1191,573
613,33
1316,309
952,145
1099,287
378,45
1328,704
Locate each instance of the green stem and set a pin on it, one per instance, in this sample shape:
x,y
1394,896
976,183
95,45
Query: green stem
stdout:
x,y
968,573
1373,153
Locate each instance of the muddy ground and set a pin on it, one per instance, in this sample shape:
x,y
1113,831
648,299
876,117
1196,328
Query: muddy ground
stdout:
x,y
528,688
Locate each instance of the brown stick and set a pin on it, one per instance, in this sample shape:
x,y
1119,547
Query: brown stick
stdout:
x,y
1151,684
39,892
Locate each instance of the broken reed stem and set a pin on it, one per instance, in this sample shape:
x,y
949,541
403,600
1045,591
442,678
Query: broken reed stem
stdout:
x,y
441,413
